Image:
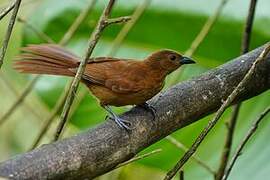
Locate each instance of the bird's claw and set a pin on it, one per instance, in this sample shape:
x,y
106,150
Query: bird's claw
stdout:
x,y
150,108
121,122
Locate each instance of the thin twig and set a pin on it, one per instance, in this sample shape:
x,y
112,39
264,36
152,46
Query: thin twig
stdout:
x,y
248,27
32,82
60,102
78,100
231,126
228,142
49,120
7,10
220,111
251,131
18,94
128,26
56,109
192,49
75,25
18,101
181,146
136,158
47,123
8,5
205,30
43,36
199,38
39,33
117,20
75,83
181,175
29,86
9,31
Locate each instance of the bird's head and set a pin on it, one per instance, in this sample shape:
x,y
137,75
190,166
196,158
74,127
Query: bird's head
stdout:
x,y
167,60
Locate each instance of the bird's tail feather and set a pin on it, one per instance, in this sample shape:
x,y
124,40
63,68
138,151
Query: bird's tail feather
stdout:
x,y
46,59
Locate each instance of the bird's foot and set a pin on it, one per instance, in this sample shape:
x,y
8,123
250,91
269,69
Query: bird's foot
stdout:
x,y
121,122
150,108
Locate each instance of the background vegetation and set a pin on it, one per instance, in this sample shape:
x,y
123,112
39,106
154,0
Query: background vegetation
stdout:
x,y
171,24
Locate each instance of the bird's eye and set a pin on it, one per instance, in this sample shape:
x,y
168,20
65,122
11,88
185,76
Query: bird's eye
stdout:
x,y
172,57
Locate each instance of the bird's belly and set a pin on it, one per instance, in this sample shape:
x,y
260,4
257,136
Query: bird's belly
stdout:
x,y
130,99
108,97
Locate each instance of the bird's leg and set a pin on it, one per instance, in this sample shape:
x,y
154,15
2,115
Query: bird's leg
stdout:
x,y
121,122
150,108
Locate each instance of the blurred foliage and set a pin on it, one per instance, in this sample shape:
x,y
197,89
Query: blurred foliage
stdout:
x,y
158,28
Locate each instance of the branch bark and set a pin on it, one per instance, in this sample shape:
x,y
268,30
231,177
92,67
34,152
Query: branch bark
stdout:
x,y
97,151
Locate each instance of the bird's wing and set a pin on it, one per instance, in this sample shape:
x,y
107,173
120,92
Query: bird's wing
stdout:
x,y
115,74
123,85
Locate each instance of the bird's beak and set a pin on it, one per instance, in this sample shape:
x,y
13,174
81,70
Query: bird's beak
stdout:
x,y
186,60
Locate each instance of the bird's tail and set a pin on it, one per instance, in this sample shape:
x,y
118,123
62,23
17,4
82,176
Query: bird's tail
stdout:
x,y
46,59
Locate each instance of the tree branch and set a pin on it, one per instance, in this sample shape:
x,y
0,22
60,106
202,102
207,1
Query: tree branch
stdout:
x,y
9,31
98,150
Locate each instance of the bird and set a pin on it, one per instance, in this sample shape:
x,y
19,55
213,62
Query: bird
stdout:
x,y
113,81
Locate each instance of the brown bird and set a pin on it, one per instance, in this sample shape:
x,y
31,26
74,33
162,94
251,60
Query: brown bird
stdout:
x,y
115,82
